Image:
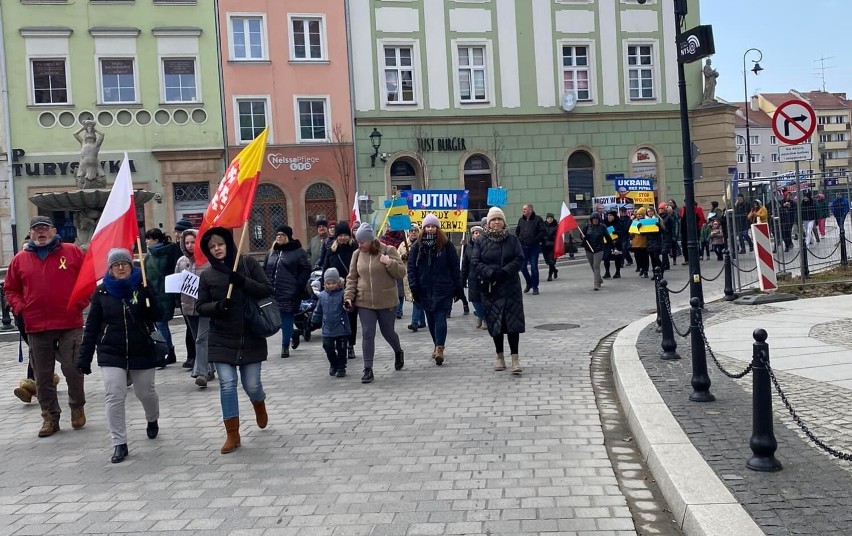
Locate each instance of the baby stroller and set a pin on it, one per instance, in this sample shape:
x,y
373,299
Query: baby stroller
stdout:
x,y
302,319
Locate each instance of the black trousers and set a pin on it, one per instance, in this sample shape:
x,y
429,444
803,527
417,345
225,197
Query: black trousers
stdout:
x,y
335,350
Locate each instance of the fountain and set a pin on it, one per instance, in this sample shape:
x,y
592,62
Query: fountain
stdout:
x,y
87,203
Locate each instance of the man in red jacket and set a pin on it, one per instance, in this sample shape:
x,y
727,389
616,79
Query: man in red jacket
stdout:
x,y
38,286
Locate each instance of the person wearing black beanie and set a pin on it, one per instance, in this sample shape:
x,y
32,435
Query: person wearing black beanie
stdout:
x,y
288,270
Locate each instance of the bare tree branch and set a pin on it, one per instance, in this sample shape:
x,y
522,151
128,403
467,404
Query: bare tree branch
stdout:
x,y
343,161
418,134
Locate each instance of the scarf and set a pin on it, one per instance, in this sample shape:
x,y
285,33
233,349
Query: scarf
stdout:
x,y
428,240
45,250
124,288
496,235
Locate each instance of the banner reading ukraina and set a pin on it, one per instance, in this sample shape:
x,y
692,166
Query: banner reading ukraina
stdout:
x,y
450,206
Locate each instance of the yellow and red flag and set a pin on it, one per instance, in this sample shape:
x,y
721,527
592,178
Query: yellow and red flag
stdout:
x,y
231,204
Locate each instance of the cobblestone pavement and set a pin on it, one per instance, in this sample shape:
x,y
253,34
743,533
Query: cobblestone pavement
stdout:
x,y
457,449
810,495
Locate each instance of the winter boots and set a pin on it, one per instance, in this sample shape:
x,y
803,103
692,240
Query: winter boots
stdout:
x,y
232,441
439,355
78,418
398,359
260,414
516,364
26,390
500,364
50,425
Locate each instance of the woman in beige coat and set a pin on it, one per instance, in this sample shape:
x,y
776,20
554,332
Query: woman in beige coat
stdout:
x,y
371,287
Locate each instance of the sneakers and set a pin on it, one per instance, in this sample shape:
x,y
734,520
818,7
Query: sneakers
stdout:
x,y
78,418
368,376
285,352
152,430
466,310
49,427
201,381
332,370
535,292
527,289
350,352
617,275
412,327
398,360
341,373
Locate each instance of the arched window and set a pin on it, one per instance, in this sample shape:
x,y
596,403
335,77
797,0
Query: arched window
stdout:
x,y
581,182
644,164
268,212
477,180
320,204
405,174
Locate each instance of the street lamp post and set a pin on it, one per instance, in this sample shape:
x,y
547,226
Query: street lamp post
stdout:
x,y
376,142
756,69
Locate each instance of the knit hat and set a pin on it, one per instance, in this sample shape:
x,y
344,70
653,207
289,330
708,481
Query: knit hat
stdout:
x,y
286,229
182,225
641,211
321,223
431,219
594,216
365,233
415,227
118,255
550,215
342,228
483,222
475,229
662,206
494,213
331,274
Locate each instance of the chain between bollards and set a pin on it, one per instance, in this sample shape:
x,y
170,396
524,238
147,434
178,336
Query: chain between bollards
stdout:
x,y
730,295
668,343
700,378
763,443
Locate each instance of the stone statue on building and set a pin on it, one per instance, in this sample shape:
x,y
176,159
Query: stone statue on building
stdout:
x,y
90,173
710,76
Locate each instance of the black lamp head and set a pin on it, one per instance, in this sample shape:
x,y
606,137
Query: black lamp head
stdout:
x,y
757,68
376,139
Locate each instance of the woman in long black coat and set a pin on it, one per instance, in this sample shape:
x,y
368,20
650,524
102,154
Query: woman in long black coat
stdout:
x,y
288,269
497,260
231,345
470,280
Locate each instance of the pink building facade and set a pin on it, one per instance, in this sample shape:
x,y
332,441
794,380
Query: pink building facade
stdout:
x,y
285,65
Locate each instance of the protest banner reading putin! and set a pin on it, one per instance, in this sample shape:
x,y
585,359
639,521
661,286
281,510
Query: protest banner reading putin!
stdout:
x,y
450,207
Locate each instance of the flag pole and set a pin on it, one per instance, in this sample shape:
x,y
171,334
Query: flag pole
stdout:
x,y
237,258
142,267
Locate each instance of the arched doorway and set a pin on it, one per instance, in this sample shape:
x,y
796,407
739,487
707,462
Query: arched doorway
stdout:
x,y
581,182
320,204
268,212
477,180
405,174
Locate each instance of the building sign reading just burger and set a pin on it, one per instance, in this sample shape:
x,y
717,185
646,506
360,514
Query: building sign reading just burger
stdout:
x,y
295,163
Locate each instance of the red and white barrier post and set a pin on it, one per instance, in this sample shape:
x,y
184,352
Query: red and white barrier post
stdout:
x,y
766,270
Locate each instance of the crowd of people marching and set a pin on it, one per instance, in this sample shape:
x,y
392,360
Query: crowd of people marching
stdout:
x,y
364,279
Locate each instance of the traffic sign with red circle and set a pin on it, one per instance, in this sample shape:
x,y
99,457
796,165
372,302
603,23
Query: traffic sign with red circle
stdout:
x,y
794,122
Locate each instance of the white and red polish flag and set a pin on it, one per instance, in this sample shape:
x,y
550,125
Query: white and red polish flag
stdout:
x,y
356,212
567,223
117,228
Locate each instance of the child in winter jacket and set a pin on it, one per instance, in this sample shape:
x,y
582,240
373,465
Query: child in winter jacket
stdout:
x,y
329,313
704,241
717,240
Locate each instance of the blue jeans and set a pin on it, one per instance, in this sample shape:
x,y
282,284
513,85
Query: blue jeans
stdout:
x,y
437,321
531,254
250,377
478,311
417,318
163,328
744,237
286,328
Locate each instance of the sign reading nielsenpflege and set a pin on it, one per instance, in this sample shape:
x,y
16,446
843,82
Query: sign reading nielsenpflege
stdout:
x,y
795,153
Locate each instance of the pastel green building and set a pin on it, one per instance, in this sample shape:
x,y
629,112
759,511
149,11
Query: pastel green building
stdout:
x,y
146,73
551,99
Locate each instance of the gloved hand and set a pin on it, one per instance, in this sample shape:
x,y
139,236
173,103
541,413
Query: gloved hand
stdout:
x,y
347,305
236,279
85,368
639,225
499,275
223,306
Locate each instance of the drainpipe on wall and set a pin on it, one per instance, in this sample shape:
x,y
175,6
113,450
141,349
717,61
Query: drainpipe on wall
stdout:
x,y
222,109
8,128
351,96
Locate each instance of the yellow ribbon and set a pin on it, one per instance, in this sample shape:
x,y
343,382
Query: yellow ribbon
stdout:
x,y
62,261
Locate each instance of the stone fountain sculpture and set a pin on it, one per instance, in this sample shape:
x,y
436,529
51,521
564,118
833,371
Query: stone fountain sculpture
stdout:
x,y
87,203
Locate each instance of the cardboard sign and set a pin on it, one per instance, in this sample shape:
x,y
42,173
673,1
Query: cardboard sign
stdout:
x,y
183,283
498,197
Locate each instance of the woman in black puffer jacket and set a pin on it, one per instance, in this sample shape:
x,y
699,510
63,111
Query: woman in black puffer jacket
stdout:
x,y
288,269
231,345
339,256
118,326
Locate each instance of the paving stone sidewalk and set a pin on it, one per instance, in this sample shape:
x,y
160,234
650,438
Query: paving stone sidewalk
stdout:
x,y
812,494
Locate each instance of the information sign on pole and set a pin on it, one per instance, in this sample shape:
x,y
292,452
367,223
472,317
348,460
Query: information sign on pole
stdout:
x,y
795,153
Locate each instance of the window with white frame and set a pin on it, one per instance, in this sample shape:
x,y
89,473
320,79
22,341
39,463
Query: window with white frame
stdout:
x,y
740,140
472,74
312,119
179,82
247,39
740,158
307,38
775,173
774,157
640,71
118,80
754,140
50,81
399,75
576,71
755,158
251,118
773,140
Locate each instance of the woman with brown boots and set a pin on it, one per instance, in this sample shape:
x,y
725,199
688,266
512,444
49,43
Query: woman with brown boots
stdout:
x,y
232,347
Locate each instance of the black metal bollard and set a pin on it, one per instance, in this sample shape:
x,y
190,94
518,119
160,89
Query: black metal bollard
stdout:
x,y
5,308
844,260
657,277
763,443
806,271
668,343
700,379
730,295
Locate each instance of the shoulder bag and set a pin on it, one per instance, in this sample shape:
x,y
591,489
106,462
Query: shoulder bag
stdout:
x,y
261,314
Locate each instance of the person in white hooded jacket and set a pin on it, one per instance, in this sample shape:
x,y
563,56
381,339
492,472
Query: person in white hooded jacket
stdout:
x,y
202,371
